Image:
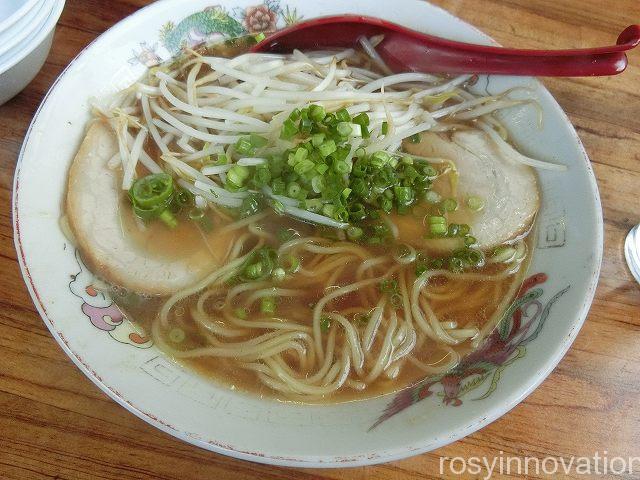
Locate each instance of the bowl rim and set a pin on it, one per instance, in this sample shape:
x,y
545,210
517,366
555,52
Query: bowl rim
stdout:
x,y
511,400
24,38
18,14
46,28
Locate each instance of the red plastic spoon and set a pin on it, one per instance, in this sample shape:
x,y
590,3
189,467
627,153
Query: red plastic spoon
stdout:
x,y
407,50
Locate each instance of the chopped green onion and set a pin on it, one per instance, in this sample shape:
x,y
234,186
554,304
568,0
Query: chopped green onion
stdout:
x,y
404,195
177,335
475,257
361,119
402,250
293,189
437,263
429,171
317,139
456,265
449,205
360,169
290,263
241,313
453,230
341,214
318,184
317,113
354,233
152,190
300,155
385,128
421,267
328,210
344,129
168,219
380,159
432,197
438,229
469,240
313,205
388,285
286,234
359,187
268,305
327,148
306,125
289,130
153,196
322,168
504,254
341,167
250,206
196,214
410,173
278,207
262,176
278,274
253,271
357,212
243,146
278,186
258,141
415,138
295,115
304,166
325,324
342,115
475,203
437,220
396,300
330,119
238,175
184,198
259,265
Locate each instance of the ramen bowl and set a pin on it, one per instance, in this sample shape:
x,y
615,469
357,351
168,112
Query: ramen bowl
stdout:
x,y
25,46
123,361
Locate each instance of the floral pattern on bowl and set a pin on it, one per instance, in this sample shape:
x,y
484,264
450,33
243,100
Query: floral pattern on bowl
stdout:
x,y
213,24
98,306
521,323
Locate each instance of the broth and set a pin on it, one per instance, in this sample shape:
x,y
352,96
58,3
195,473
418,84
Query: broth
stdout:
x,y
468,303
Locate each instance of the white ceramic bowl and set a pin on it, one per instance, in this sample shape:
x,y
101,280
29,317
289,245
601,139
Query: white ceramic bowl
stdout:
x,y
20,19
13,11
23,38
126,366
9,11
19,67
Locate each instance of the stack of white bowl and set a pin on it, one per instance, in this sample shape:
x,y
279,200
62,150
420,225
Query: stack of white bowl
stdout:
x,y
26,32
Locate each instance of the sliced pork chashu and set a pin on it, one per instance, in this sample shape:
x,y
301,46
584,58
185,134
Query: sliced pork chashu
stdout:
x,y
93,204
508,188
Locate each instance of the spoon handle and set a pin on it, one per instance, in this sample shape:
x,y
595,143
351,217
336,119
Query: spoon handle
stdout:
x,y
426,53
404,49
